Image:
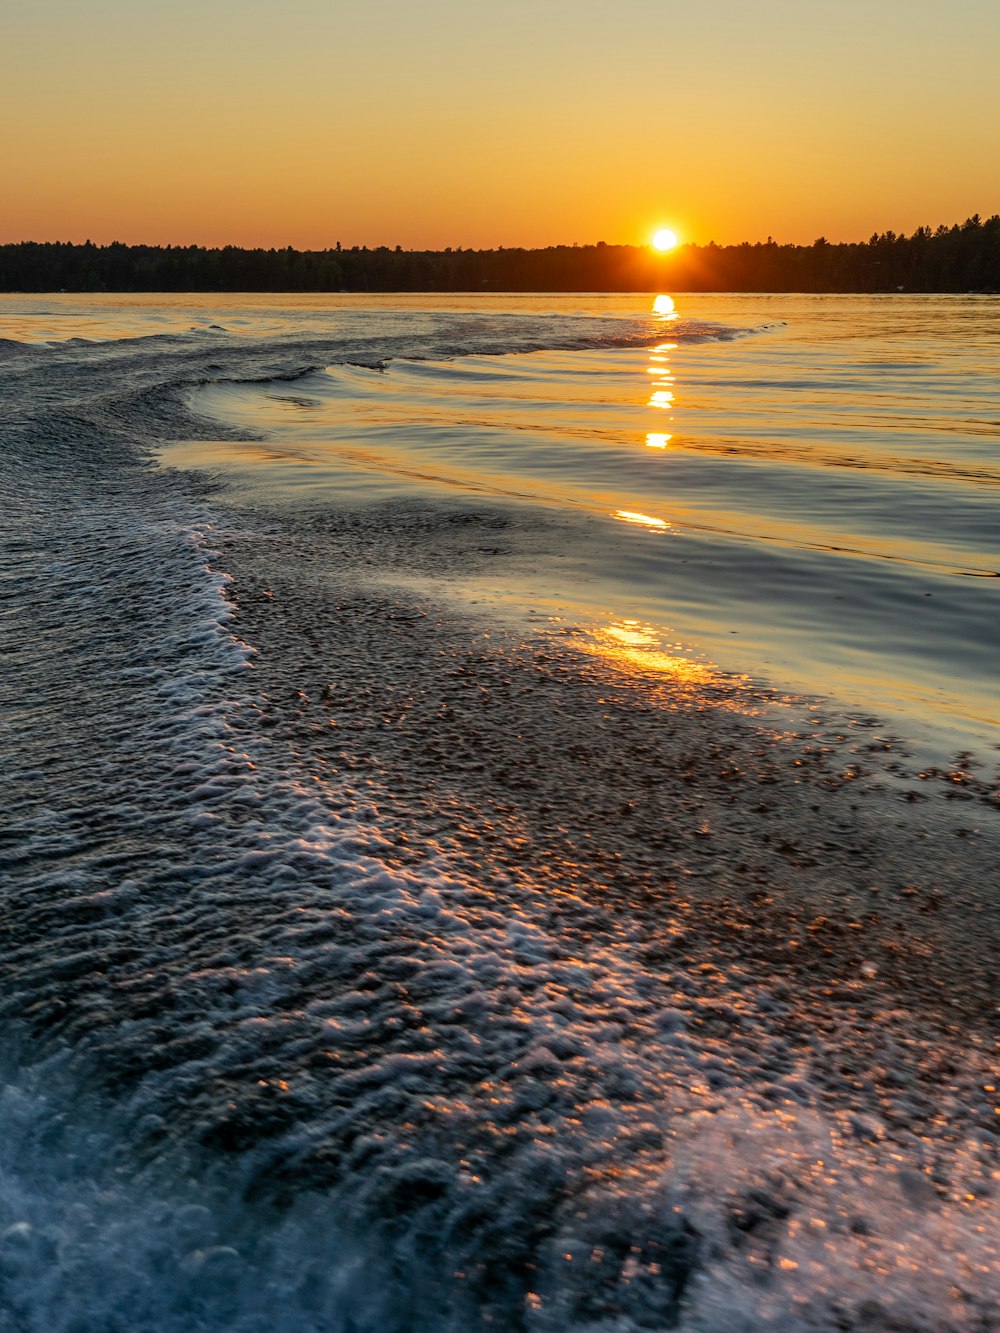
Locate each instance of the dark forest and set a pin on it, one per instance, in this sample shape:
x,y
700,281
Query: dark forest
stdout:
x,y
961,258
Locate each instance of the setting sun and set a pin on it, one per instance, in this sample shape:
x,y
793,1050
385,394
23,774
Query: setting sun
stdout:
x,y
664,239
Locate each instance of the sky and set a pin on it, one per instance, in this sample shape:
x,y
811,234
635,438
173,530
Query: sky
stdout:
x,y
455,122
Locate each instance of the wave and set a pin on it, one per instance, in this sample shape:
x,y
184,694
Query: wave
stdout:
x,y
498,332
404,1095
327,1010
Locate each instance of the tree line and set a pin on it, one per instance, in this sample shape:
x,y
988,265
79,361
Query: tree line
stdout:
x,y
961,258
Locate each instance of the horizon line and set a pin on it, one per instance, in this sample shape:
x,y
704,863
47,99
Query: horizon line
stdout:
x,y
338,246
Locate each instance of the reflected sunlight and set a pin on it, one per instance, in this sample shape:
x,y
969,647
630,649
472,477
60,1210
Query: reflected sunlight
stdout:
x,y
662,396
664,305
629,644
633,634
643,520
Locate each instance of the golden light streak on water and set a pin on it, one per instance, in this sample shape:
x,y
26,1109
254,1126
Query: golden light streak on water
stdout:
x,y
643,520
630,645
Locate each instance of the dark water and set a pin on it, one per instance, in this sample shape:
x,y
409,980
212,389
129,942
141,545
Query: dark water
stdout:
x,y
421,910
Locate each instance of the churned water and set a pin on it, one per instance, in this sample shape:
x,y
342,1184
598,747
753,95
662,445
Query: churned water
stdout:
x,y
500,813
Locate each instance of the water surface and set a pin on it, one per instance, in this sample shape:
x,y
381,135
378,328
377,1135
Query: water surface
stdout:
x,y
458,868
802,488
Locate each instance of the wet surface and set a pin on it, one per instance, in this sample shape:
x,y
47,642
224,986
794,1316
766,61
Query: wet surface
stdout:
x,y
373,964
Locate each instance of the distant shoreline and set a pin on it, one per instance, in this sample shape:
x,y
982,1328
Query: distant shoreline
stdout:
x,y
961,258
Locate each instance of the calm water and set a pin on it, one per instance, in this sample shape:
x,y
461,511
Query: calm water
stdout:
x,y
457,867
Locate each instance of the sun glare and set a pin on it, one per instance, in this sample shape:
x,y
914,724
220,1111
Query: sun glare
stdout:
x,y
664,239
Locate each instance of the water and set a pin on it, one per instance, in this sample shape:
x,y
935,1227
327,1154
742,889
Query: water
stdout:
x,y
470,860
823,487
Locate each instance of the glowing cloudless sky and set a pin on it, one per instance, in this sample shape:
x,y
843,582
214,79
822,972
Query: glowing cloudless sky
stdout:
x,y
521,122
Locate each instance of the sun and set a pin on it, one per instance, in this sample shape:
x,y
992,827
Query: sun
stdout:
x,y
664,239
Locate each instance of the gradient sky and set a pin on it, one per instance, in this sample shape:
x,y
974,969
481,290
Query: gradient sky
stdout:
x,y
443,122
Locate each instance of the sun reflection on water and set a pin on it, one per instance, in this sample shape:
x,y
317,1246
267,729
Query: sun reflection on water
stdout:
x,y
631,645
662,390
634,634
642,520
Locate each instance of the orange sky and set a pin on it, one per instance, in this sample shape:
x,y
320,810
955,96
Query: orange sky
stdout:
x,y
452,122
